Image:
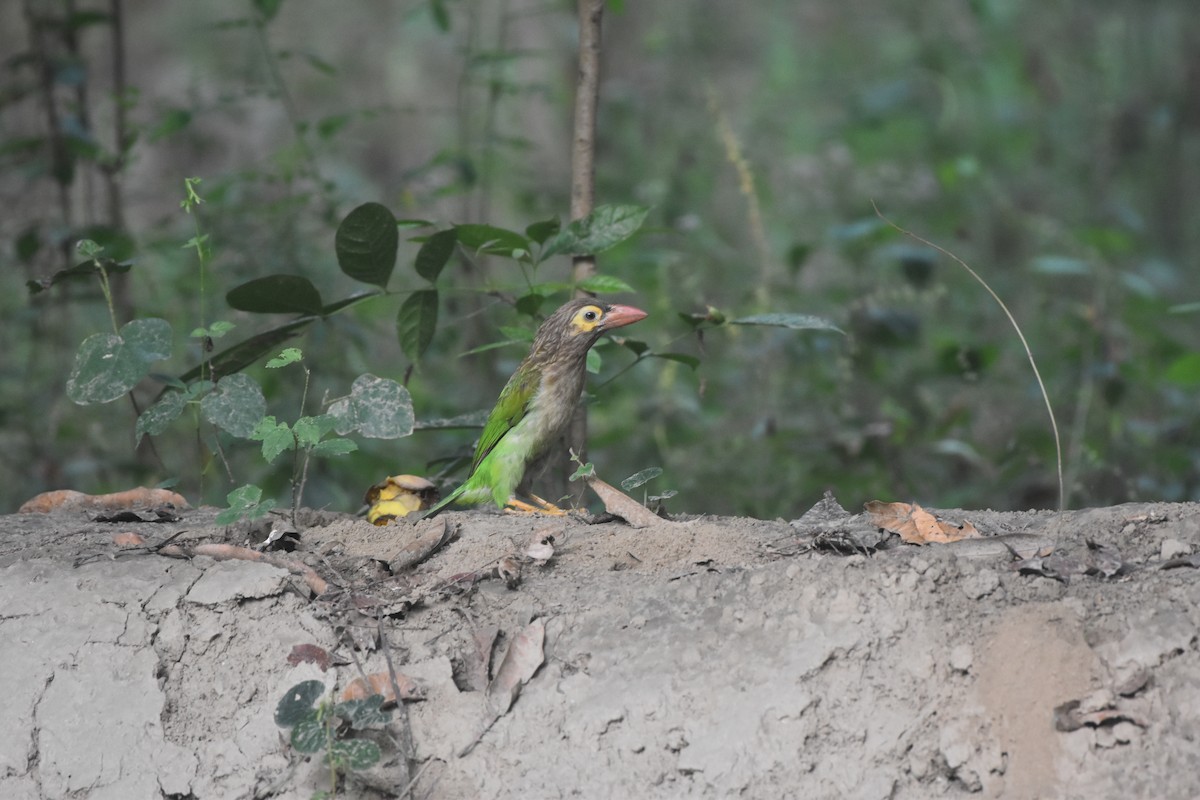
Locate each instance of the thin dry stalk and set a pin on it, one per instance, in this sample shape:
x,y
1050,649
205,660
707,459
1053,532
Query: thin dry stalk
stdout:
x,y
1062,495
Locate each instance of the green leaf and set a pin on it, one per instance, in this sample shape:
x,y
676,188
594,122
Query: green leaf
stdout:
x,y
171,121
530,304
297,705
276,294
334,447
155,419
241,355
441,16
354,754
289,355
605,284
594,361
107,365
585,471
268,8
276,437
377,408
635,346
792,321
1061,265
491,240
472,419
606,226
638,478
79,271
307,431
1185,370
244,504
308,736
236,405
352,300
366,244
682,358
416,322
435,253
541,231
365,713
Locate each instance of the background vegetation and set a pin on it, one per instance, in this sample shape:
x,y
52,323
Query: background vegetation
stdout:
x,y
1054,146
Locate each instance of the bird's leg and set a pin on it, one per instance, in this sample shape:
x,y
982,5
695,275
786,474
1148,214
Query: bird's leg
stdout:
x,y
516,505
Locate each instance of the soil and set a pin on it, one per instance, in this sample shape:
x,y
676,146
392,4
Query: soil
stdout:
x,y
697,657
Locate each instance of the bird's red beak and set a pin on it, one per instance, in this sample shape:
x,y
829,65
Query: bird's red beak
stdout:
x,y
620,316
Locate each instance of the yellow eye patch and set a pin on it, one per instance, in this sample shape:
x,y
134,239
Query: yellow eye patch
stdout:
x,y
587,318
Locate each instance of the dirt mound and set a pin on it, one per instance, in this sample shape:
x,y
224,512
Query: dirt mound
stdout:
x,y
703,657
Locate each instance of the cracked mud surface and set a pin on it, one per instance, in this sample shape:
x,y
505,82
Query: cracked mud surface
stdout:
x,y
708,657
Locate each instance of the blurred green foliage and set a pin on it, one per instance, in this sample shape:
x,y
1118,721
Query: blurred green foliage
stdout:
x,y
1054,146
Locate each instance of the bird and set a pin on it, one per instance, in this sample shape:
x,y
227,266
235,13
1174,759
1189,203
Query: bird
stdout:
x,y
538,401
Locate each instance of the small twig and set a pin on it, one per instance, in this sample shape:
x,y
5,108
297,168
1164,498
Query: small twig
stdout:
x,y
1062,495
408,750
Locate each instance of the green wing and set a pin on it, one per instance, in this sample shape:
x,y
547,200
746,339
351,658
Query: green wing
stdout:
x,y
510,409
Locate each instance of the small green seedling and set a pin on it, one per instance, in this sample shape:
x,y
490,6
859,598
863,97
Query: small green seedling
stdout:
x,y
323,726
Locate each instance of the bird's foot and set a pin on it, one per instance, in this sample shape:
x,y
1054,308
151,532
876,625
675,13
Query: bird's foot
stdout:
x,y
538,506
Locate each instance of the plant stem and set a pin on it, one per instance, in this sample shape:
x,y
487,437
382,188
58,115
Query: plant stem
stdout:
x,y
1062,494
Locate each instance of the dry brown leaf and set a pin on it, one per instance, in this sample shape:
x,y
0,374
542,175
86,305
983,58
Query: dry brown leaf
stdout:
x,y
622,505
522,659
431,536
915,525
128,539
381,683
310,654
479,658
142,497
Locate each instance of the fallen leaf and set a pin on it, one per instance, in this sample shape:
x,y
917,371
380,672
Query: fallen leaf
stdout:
x,y
915,525
431,536
622,505
524,655
522,659
155,516
1106,561
128,539
1071,717
398,496
141,497
310,654
479,658
381,683
1184,561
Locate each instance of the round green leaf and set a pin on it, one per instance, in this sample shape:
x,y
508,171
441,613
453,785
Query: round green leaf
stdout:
x,y
638,478
155,419
355,754
297,704
308,736
236,405
276,294
416,322
605,284
107,365
366,244
492,240
435,253
377,408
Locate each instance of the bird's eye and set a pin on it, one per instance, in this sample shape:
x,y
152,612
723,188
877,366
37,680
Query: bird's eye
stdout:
x,y
590,316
